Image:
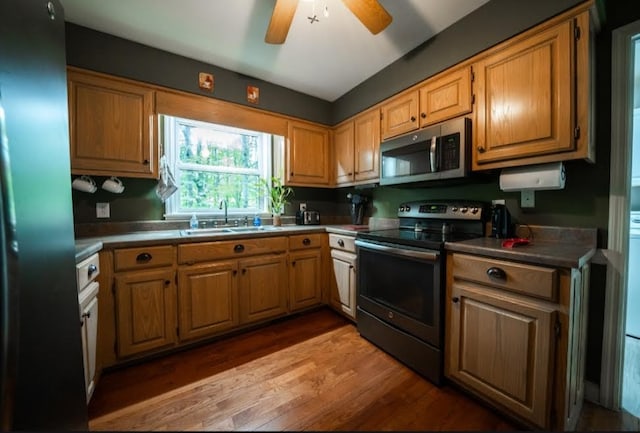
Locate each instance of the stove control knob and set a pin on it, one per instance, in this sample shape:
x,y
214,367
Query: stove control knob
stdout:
x,y
463,209
407,208
401,208
474,210
454,209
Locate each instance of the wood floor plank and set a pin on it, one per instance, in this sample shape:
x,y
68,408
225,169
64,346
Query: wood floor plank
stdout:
x,y
312,372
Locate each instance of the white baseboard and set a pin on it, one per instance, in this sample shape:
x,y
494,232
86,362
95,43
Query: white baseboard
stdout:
x,y
591,392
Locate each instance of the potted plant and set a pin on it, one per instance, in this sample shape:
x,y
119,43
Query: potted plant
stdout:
x,y
277,195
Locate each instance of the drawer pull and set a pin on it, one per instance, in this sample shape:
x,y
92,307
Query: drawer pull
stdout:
x,y
91,269
306,241
496,273
455,299
238,248
167,283
144,257
87,315
341,242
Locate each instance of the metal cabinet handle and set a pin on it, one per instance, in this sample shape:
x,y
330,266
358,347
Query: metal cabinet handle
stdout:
x,y
423,115
496,273
413,118
306,241
238,248
455,299
143,257
481,149
87,315
167,282
91,269
145,162
341,242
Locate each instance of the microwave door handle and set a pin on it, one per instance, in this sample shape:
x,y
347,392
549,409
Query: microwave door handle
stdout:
x,y
432,153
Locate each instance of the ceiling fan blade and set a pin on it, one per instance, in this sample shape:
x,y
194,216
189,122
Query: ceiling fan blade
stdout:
x,y
370,13
280,21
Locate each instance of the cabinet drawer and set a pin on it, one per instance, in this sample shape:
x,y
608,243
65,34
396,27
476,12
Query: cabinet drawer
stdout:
x,y
206,251
527,279
342,242
87,271
143,257
300,242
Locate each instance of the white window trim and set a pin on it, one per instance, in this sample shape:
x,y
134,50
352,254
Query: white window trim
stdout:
x,y
172,203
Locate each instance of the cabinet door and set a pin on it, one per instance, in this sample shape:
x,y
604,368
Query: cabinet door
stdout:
x,y
524,99
367,146
305,273
146,311
263,287
89,324
400,115
501,346
445,97
307,154
344,273
111,127
343,146
207,299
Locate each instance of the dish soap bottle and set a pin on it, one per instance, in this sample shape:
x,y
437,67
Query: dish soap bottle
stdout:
x,y
257,221
194,222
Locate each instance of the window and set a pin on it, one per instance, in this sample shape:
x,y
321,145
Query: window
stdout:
x,y
212,163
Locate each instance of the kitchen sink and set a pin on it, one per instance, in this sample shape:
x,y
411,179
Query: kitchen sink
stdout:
x,y
221,230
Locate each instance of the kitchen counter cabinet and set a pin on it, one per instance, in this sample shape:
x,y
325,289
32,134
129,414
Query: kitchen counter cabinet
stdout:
x,y
305,271
516,335
207,299
357,149
112,126
263,287
343,287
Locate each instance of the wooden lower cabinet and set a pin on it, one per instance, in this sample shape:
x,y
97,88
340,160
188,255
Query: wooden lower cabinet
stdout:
x,y
502,347
207,299
263,287
343,272
512,347
145,311
305,278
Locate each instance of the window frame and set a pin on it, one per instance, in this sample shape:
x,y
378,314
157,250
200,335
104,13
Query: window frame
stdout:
x,y
169,125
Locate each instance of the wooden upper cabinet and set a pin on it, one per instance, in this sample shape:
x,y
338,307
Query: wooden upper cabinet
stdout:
x,y
367,146
400,114
111,126
445,96
307,155
357,149
343,148
532,98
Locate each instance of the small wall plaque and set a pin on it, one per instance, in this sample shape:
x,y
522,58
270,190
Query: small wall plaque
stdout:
x,y
205,81
253,94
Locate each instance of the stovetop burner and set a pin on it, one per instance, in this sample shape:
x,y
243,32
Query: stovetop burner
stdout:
x,y
429,224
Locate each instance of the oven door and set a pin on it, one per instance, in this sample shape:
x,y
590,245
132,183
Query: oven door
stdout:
x,y
401,285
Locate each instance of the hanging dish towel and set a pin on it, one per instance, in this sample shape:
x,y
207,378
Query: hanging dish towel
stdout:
x,y
166,184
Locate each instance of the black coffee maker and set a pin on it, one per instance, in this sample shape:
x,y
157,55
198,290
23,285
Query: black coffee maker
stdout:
x,y
358,204
500,222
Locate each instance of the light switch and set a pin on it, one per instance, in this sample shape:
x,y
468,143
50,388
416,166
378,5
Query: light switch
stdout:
x,y
102,210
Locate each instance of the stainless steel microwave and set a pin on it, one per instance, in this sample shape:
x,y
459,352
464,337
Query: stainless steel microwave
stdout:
x,y
438,152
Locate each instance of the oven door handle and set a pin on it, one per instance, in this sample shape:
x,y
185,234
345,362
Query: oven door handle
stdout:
x,y
424,255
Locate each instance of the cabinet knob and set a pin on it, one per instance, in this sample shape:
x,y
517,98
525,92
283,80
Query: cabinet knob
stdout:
x,y
167,282
455,299
87,315
235,272
413,118
91,269
481,149
423,115
293,264
291,174
143,257
496,273
306,241
145,162
349,174
351,266
238,248
244,271
341,242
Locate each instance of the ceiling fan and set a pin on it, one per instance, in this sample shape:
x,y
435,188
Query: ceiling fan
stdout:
x,y
369,12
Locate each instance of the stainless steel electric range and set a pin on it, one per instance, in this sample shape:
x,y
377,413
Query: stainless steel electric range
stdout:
x,y
401,280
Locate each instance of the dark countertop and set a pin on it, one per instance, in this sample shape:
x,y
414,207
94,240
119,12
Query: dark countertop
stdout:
x,y
539,252
85,248
163,237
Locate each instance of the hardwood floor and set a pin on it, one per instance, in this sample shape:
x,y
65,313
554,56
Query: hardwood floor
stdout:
x,y
312,372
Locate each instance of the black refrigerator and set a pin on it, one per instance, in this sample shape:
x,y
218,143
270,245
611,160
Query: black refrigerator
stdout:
x,y
41,369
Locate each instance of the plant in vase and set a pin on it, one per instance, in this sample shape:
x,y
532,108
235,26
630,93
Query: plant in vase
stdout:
x,y
277,195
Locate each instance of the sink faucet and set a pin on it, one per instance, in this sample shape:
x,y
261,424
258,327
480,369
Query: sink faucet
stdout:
x,y
224,203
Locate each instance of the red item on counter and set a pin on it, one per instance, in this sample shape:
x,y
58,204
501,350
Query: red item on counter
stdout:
x,y
515,242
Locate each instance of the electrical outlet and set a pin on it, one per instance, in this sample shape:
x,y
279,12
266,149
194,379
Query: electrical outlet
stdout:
x,y
499,201
303,207
527,198
103,210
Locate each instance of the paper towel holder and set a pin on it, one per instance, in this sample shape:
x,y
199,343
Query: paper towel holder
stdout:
x,y
527,179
